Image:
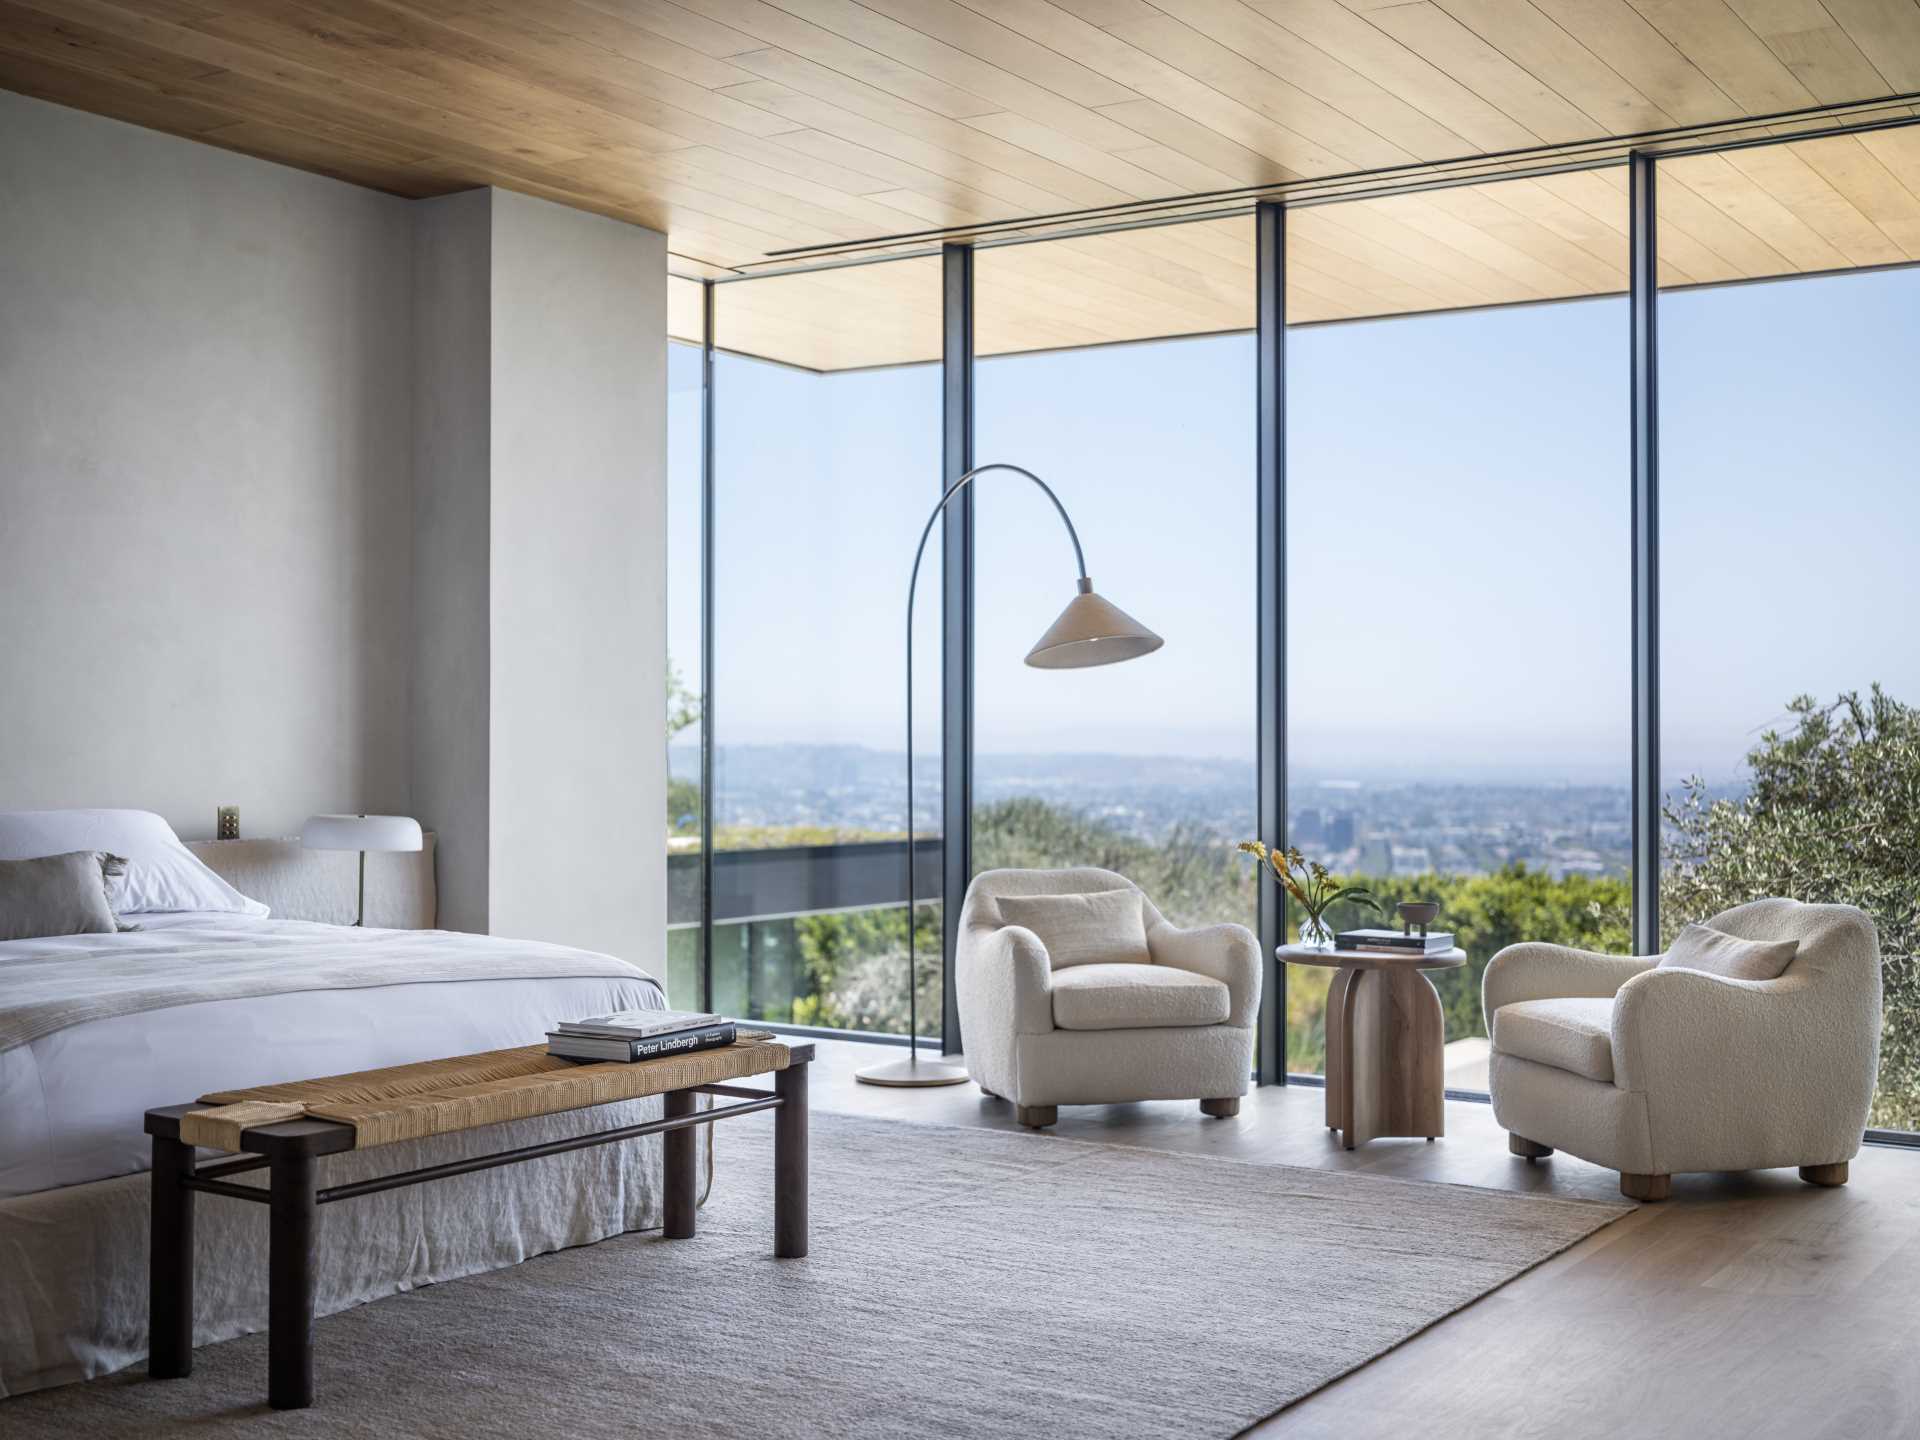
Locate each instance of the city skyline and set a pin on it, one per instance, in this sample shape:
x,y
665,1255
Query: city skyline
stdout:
x,y
1377,824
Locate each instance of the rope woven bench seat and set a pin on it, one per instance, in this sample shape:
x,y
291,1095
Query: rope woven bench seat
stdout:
x,y
290,1129
440,1097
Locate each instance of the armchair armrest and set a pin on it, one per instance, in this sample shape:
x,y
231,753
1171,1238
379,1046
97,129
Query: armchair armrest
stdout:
x,y
1005,981
1227,953
1675,1028
1536,970
1745,1074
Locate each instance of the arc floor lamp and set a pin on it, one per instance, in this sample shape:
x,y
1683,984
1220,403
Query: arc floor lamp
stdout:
x,y
1090,631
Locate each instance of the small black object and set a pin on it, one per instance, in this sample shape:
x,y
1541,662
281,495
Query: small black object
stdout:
x,y
1417,912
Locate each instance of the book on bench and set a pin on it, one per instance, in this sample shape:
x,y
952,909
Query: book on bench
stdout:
x,y
570,1046
638,1024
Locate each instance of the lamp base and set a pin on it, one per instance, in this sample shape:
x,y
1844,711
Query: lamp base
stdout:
x,y
913,1073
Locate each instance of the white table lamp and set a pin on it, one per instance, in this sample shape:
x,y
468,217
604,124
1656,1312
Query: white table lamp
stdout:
x,y
362,833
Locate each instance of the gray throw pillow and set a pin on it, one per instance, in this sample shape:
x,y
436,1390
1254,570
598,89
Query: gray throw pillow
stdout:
x,y
57,895
1099,927
1718,953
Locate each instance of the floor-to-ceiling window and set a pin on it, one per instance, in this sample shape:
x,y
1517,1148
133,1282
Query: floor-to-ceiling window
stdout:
x,y
1457,572
1790,500
825,464
1091,376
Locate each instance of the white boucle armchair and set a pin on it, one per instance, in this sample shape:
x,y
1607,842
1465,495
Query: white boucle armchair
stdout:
x,y
1103,1044
1655,1070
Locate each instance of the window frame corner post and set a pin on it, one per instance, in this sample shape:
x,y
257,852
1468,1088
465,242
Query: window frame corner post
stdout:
x,y
1643,306
1270,485
707,553
956,623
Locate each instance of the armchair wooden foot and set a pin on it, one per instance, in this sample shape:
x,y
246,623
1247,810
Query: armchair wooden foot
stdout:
x,y
1221,1109
1828,1175
1529,1149
1645,1187
1036,1117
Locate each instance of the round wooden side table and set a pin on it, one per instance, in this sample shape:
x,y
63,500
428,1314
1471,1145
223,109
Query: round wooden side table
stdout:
x,y
1385,1071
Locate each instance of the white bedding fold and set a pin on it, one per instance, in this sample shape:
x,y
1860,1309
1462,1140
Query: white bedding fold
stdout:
x,y
51,985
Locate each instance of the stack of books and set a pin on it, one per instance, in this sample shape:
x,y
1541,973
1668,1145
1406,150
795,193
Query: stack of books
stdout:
x,y
638,1035
1392,942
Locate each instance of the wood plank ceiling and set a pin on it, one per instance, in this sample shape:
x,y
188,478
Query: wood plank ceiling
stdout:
x,y
742,128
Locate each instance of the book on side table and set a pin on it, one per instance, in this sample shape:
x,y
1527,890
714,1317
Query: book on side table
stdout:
x,y
639,1035
1392,942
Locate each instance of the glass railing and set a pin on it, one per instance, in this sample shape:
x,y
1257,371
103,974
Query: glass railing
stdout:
x,y
810,934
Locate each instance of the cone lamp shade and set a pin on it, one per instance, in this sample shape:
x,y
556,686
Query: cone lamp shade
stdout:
x,y
1091,631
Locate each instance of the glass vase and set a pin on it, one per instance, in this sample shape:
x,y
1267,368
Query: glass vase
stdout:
x,y
1316,934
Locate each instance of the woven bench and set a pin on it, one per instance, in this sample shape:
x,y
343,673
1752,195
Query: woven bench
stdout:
x,y
285,1129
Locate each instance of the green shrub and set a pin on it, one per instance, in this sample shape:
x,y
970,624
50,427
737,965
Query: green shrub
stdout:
x,y
1831,813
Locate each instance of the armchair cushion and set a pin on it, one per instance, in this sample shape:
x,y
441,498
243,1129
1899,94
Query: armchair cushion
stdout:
x,y
1100,927
1136,997
1718,953
1574,1034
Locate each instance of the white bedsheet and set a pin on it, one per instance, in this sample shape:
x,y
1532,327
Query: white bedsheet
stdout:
x,y
72,1102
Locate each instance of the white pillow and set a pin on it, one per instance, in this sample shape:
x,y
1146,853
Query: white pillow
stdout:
x,y
1092,928
1718,953
162,874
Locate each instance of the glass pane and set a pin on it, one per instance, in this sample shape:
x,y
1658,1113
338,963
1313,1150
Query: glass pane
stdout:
x,y
684,531
1459,640
1788,680
823,480
1145,768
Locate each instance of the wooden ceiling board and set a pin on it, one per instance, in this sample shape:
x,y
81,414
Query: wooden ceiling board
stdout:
x,y
686,312
746,127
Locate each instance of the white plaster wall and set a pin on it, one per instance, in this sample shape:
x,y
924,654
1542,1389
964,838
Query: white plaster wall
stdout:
x,y
578,655
205,512
316,499
452,539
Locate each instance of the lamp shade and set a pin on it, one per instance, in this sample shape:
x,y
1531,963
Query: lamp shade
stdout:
x,y
1091,631
360,832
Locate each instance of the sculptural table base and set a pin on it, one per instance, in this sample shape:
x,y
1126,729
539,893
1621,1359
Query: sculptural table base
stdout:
x,y
1385,1070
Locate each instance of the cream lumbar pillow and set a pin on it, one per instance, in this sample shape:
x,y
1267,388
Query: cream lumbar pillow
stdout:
x,y
1105,927
1718,953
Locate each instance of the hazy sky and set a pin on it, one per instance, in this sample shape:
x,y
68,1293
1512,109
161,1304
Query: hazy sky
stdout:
x,y
1458,516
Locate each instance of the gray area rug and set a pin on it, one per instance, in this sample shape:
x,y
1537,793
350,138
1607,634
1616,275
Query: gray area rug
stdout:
x,y
963,1283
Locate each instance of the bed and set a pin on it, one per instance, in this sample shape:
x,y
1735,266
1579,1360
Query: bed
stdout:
x,y
94,1029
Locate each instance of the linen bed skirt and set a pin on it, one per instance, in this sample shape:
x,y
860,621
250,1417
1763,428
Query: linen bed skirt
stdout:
x,y
73,1261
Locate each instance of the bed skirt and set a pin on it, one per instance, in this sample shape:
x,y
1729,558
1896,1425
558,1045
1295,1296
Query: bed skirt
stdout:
x,y
75,1259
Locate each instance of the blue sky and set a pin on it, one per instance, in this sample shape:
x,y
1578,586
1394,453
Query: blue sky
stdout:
x,y
1458,492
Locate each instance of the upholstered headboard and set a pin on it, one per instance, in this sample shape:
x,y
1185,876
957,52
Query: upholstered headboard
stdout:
x,y
300,884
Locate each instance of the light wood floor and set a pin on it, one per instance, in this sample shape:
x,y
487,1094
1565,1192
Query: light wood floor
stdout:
x,y
1747,1305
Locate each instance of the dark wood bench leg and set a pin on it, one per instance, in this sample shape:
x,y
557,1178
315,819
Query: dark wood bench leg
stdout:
x,y
170,1263
790,1162
682,1164
293,1211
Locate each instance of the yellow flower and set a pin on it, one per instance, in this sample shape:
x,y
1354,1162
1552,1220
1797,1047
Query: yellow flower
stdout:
x,y
1253,847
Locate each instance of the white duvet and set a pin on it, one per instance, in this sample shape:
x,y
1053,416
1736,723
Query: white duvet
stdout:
x,y
89,1041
